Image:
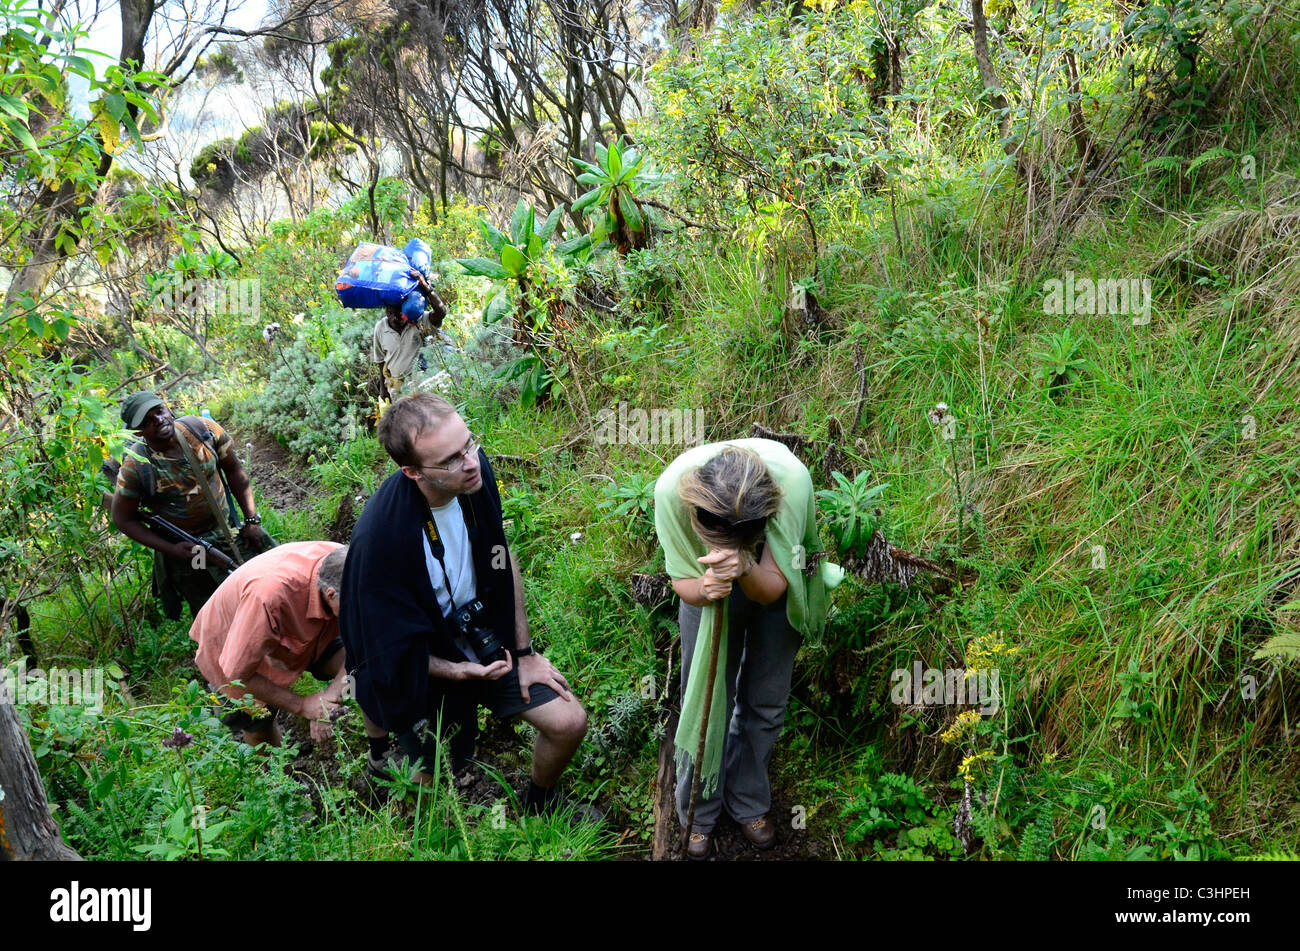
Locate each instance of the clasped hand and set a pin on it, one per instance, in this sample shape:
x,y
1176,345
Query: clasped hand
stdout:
x,y
725,565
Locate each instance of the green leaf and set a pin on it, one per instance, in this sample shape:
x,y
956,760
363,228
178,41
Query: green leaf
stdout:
x,y
646,180
61,329
521,224
585,166
513,261
80,65
1162,162
491,235
145,105
631,164
590,178
104,786
1217,152
549,225
133,130
586,200
631,212
484,267
14,106
602,156
574,245
615,162
36,324
1285,646
115,105
20,132
498,307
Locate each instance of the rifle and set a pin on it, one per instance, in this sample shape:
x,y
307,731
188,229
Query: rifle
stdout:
x,y
216,554
110,468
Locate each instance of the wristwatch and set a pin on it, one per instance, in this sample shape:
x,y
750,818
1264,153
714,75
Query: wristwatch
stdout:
x,y
525,651
252,520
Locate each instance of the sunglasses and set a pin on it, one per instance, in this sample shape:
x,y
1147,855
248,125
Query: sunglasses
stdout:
x,y
742,529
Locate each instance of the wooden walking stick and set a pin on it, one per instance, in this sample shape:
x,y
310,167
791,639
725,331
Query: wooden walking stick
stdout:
x,y
719,608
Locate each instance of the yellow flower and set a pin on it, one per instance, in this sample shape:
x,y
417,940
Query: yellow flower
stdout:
x,y
959,727
983,651
971,763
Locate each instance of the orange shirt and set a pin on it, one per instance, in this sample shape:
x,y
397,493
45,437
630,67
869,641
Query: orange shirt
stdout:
x,y
267,618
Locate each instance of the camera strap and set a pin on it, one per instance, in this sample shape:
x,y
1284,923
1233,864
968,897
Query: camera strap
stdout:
x,y
439,551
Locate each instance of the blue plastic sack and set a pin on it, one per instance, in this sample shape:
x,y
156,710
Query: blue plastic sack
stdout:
x,y
419,254
374,276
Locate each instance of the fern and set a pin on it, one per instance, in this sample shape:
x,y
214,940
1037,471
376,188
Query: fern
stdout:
x,y
1279,855
1036,842
1208,156
1285,645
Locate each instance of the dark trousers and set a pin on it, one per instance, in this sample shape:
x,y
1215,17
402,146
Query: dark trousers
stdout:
x,y
757,668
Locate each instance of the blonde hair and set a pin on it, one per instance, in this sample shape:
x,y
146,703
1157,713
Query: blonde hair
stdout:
x,y
734,484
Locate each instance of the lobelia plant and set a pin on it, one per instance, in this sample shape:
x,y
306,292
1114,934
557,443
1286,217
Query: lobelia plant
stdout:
x,y
532,283
849,509
1058,362
617,178
518,256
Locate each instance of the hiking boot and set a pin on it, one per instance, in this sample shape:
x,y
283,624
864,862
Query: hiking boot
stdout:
x,y
580,812
760,833
380,767
699,846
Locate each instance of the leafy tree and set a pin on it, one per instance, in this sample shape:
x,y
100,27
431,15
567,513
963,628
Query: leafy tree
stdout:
x,y
771,120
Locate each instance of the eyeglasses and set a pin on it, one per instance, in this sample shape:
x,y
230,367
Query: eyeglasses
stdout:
x,y
458,461
742,529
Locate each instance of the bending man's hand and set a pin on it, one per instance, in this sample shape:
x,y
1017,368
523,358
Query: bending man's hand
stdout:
x,y
322,710
536,669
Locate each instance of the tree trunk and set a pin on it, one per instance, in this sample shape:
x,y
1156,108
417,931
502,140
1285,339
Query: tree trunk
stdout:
x,y
27,830
665,807
989,77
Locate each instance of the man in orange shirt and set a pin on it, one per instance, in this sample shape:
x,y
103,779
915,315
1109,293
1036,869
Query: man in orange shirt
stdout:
x,y
273,618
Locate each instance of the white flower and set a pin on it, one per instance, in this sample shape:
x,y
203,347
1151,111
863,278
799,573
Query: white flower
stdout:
x,y
269,332
938,414
575,537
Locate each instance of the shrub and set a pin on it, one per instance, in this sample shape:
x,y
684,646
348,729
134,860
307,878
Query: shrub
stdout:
x,y
316,393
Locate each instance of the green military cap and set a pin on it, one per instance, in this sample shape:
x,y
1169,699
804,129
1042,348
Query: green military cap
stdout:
x,y
136,407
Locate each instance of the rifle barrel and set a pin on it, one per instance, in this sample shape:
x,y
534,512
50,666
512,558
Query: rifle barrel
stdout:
x,y
224,560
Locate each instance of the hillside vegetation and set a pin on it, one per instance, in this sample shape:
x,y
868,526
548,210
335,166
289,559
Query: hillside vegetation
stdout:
x,y
822,237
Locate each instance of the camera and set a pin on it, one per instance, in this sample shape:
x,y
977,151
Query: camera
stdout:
x,y
473,636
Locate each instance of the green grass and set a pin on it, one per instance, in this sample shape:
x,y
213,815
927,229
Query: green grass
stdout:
x,y
1129,727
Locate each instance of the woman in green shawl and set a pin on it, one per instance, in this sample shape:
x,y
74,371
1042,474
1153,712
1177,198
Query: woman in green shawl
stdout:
x,y
737,522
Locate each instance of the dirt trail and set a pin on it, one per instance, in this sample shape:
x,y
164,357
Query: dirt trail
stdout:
x,y
278,477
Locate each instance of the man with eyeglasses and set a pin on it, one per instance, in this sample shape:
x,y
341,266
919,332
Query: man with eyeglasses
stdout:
x,y
433,607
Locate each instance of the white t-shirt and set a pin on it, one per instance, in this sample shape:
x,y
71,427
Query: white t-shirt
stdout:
x,y
458,558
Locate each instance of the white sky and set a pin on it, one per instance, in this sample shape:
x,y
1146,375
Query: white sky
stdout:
x,y
195,119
